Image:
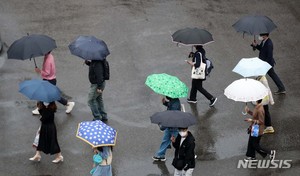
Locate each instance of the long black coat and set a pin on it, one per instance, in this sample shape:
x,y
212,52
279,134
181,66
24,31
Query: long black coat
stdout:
x,y
186,150
48,137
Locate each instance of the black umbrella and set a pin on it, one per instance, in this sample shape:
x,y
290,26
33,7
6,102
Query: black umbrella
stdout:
x,y
254,25
31,46
89,48
177,119
192,36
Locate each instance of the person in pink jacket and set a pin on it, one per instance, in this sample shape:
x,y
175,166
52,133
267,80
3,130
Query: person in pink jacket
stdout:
x,y
48,73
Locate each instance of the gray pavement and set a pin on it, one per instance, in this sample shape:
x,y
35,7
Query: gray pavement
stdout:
x,y
138,34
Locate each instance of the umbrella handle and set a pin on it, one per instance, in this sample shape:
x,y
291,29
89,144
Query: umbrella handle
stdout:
x,y
244,113
34,62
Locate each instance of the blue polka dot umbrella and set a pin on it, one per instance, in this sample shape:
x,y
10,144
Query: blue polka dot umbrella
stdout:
x,y
96,133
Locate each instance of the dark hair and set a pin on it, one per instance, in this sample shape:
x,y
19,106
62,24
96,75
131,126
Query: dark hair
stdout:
x,y
183,128
264,34
259,101
101,148
52,106
198,47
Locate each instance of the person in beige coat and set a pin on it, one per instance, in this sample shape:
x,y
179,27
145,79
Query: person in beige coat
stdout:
x,y
266,101
258,115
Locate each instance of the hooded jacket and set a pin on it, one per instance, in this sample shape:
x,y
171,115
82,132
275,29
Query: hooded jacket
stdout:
x,y
185,151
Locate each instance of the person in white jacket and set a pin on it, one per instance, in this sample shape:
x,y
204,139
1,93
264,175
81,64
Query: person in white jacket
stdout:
x,y
266,101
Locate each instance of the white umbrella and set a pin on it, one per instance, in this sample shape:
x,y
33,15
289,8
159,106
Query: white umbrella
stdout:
x,y
246,90
248,67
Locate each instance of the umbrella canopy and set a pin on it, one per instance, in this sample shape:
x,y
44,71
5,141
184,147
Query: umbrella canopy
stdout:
x,y
40,90
254,25
248,67
192,36
174,118
31,46
246,90
89,48
96,133
167,85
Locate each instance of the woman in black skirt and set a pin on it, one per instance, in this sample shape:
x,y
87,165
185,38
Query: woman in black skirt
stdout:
x,y
48,137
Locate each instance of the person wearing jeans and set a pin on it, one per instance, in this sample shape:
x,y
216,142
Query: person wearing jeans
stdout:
x,y
172,104
95,100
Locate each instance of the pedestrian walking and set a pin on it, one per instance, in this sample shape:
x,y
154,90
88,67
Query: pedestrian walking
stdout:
x,y
47,141
184,158
266,54
198,58
256,130
95,100
48,73
102,167
266,101
171,104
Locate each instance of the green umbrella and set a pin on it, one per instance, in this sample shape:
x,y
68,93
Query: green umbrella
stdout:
x,y
167,85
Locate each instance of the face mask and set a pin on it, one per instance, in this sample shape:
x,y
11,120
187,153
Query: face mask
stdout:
x,y
182,133
260,38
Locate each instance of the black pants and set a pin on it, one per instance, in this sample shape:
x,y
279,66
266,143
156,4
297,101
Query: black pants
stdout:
x,y
197,86
267,116
253,145
276,79
61,100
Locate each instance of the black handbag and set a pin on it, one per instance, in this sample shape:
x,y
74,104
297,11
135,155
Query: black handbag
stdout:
x,y
178,163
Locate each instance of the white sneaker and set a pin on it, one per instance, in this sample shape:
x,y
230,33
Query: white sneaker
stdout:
x,y
70,106
36,111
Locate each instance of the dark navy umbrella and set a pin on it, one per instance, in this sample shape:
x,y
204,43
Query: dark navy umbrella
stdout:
x,y
177,119
96,133
89,48
254,25
40,90
31,46
192,36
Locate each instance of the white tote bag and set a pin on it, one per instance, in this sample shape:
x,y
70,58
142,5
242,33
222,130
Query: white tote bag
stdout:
x,y
199,73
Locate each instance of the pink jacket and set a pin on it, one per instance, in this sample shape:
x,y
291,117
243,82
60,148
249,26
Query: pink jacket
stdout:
x,y
48,71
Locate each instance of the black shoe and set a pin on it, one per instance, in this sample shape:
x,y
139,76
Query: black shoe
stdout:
x,y
191,101
280,92
156,158
213,102
104,119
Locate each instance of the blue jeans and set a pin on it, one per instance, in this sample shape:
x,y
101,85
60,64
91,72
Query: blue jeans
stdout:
x,y
166,141
95,102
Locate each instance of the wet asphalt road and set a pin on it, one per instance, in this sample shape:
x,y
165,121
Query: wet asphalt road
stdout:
x,y
138,34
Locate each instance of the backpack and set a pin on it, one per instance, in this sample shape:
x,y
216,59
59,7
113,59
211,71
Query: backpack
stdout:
x,y
209,66
105,70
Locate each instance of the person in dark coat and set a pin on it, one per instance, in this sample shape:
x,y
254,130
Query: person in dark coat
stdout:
x,y
184,158
197,83
266,54
172,104
95,100
48,136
